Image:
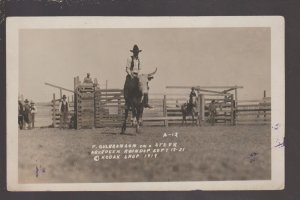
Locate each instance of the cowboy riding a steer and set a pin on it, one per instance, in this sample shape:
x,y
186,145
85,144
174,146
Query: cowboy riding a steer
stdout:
x,y
136,90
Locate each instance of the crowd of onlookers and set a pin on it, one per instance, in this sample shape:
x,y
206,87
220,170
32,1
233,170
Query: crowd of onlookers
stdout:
x,y
27,112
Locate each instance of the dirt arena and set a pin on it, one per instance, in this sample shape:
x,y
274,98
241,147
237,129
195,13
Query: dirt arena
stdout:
x,y
210,153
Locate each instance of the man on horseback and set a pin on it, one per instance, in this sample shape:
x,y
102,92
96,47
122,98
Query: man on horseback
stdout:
x,y
189,108
133,68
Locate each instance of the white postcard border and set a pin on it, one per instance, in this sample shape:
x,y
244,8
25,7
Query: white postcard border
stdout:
x,y
276,23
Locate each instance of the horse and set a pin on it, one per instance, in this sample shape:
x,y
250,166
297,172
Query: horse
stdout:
x,y
27,116
136,89
189,109
21,115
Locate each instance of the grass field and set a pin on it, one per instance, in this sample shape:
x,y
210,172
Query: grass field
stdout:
x,y
211,153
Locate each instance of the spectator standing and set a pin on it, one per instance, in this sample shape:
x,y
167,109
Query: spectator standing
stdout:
x,y
27,114
33,112
64,112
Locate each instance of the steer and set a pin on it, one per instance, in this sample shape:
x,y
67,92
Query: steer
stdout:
x,y
137,87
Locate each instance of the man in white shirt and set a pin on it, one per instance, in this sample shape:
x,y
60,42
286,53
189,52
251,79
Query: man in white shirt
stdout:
x,y
33,112
133,68
63,109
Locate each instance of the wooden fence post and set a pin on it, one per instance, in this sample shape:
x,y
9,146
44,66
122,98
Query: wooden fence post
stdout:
x,y
75,83
202,107
53,111
232,111
75,103
165,110
236,96
119,106
264,105
199,109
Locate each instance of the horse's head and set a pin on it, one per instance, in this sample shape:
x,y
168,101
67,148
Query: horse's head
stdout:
x,y
143,81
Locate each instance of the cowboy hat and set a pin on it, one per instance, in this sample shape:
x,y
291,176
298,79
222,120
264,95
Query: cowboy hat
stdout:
x,y
64,97
135,49
26,101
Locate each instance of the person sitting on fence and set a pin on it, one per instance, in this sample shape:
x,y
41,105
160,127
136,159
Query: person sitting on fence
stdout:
x,y
27,114
212,112
33,112
88,79
64,112
133,67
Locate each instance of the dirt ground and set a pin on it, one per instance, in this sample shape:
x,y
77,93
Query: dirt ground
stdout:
x,y
210,153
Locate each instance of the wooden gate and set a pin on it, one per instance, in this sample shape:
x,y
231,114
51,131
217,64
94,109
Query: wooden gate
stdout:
x,y
110,108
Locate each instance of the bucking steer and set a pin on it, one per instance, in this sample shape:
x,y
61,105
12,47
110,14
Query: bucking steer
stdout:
x,y
134,99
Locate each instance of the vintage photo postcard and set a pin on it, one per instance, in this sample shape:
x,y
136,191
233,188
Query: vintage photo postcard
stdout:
x,y
145,103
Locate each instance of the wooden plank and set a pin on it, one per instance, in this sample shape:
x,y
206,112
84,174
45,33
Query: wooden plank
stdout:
x,y
111,90
177,99
173,109
204,87
252,100
248,105
58,87
254,120
254,110
253,114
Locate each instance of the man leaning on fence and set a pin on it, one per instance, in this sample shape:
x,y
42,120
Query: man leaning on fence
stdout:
x,y
64,112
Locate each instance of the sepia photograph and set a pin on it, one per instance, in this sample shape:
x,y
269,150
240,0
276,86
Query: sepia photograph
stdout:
x,y
145,103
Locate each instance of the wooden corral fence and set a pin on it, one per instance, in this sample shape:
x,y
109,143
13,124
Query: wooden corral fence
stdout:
x,y
254,111
110,108
95,107
225,108
225,102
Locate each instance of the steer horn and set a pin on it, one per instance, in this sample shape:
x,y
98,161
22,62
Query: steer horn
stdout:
x,y
151,74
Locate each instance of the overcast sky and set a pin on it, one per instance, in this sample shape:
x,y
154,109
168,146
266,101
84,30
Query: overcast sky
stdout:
x,y
189,56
